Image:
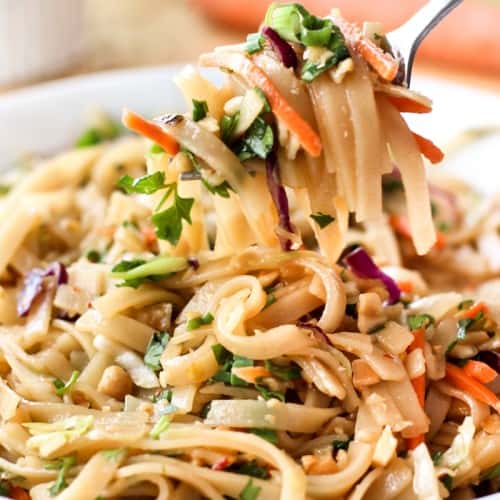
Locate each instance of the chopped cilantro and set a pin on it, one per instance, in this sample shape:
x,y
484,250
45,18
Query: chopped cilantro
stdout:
x,y
290,372
267,434
258,141
165,395
147,184
251,468
93,256
267,393
322,219
195,323
437,456
341,444
155,349
200,110
227,125
64,388
62,465
270,299
416,321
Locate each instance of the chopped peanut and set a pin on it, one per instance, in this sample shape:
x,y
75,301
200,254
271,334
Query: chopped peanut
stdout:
x,y
115,382
157,316
314,465
370,312
363,375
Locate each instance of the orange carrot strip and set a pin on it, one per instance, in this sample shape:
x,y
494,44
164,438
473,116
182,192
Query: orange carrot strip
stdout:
x,y
405,286
250,374
405,105
382,62
17,493
473,311
150,130
245,67
458,377
401,225
480,371
428,149
418,384
412,443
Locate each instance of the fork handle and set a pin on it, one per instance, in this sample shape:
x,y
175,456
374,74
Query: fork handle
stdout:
x,y
411,33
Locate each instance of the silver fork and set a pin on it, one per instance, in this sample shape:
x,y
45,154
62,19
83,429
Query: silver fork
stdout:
x,y
405,40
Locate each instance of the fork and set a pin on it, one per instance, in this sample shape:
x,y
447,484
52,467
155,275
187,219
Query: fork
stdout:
x,y
405,40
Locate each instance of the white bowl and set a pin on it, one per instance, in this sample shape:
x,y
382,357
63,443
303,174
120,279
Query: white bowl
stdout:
x,y
38,38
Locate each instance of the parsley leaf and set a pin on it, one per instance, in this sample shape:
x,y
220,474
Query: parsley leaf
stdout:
x,y
155,349
195,323
63,388
62,465
267,434
221,189
200,110
254,43
147,184
291,372
251,468
322,219
169,222
416,321
257,142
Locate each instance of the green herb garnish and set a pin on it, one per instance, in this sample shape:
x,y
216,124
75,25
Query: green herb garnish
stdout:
x,y
258,141
64,388
222,355
322,219
155,349
250,492
251,468
195,323
200,110
416,321
447,480
437,457
227,126
156,149
147,184
93,256
341,444
267,434
62,465
267,393
290,372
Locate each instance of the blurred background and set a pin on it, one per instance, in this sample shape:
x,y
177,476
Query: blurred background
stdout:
x,y
46,39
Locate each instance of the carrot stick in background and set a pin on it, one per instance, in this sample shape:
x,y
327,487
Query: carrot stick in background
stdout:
x,y
459,378
148,129
418,383
405,105
245,67
428,149
480,371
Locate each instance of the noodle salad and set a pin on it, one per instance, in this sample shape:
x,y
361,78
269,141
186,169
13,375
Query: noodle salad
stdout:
x,y
261,298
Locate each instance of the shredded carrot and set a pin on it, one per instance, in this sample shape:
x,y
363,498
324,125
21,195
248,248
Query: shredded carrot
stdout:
x,y
428,149
405,286
18,493
473,311
150,130
480,371
401,225
148,236
382,62
250,374
245,67
418,384
458,377
406,105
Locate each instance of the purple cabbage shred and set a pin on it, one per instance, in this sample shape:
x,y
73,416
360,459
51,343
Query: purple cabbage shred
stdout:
x,y
281,47
33,285
362,265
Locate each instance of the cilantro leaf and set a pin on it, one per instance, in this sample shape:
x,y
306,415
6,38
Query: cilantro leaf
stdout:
x,y
195,323
166,395
168,223
63,388
147,184
227,125
221,189
267,434
251,468
254,43
322,219
155,349
290,372
93,256
416,321
200,110
62,465
267,393
257,142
